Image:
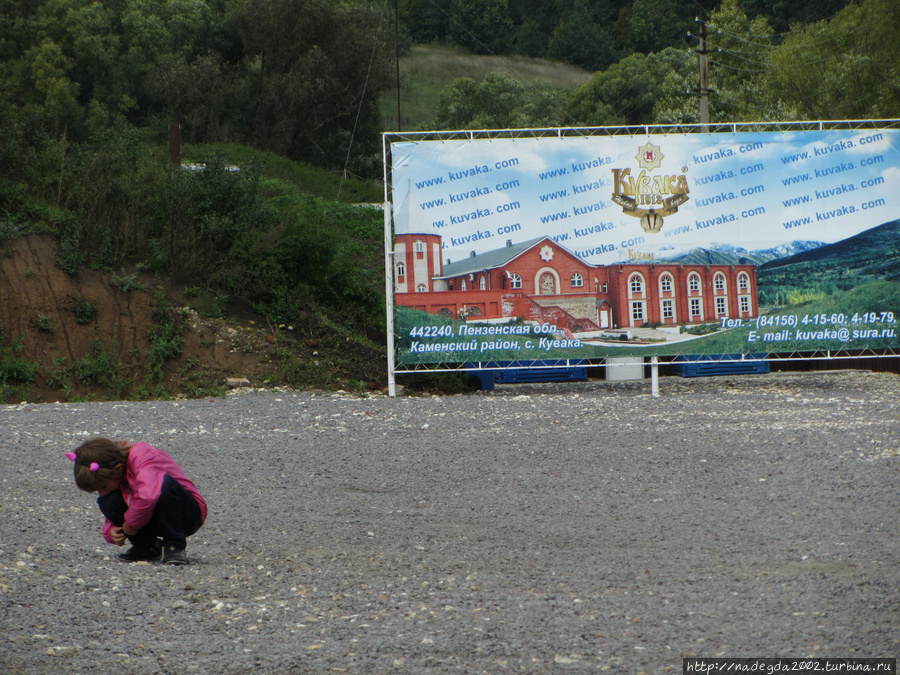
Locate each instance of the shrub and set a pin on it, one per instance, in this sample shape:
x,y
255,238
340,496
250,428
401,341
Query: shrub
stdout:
x,y
45,324
166,337
21,371
84,310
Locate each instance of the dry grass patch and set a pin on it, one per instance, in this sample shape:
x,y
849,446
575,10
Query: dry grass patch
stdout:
x,y
428,69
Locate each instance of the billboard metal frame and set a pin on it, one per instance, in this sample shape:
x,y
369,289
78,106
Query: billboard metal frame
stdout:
x,y
388,138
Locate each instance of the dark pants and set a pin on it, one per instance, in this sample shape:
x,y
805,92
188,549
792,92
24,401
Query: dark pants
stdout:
x,y
176,515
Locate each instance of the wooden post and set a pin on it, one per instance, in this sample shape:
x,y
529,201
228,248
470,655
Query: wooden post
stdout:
x,y
175,145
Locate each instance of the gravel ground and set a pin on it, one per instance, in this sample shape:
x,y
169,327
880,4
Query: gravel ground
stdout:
x,y
536,528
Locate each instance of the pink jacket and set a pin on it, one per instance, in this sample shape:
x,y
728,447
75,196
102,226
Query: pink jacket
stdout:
x,y
147,467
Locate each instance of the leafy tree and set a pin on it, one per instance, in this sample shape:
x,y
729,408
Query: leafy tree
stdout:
x,y
545,15
627,92
529,40
783,14
42,87
314,70
740,48
657,24
581,41
86,32
498,102
199,94
844,68
575,31
482,26
426,20
80,61
16,27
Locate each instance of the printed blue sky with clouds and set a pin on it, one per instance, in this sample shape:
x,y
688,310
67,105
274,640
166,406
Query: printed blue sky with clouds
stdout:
x,y
752,190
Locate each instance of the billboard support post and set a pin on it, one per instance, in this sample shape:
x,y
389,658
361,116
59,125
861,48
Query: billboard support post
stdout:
x,y
389,297
654,376
389,278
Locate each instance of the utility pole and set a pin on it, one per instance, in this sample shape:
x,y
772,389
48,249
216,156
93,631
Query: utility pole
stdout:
x,y
702,51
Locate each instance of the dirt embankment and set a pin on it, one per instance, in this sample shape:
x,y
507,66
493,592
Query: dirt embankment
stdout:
x,y
78,330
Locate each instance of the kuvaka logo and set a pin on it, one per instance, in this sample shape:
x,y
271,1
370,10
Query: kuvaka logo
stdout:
x,y
649,196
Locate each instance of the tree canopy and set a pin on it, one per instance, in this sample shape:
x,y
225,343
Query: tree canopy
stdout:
x,y
302,78
294,76
497,102
843,67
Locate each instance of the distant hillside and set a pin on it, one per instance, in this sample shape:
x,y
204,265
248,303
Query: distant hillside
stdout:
x,y
874,253
800,271
725,254
871,256
428,69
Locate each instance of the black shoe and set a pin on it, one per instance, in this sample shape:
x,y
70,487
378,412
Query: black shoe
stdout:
x,y
136,553
172,555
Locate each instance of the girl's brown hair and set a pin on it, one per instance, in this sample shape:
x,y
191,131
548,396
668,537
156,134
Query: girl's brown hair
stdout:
x,y
111,456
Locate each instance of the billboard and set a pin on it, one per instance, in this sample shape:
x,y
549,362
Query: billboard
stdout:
x,y
590,244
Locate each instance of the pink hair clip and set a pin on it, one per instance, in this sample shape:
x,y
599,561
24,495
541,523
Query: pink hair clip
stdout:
x,y
93,465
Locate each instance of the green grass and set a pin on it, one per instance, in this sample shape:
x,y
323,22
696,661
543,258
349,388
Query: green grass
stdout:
x,y
309,179
876,296
428,69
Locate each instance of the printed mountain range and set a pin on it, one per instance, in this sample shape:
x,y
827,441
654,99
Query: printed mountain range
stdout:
x,y
873,253
726,254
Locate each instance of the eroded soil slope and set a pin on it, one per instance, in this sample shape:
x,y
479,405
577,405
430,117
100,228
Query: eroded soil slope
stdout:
x,y
88,337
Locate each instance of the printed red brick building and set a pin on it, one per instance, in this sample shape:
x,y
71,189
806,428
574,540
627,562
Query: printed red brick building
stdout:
x,y
541,280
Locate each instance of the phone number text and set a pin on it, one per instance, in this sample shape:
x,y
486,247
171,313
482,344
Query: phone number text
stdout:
x,y
822,319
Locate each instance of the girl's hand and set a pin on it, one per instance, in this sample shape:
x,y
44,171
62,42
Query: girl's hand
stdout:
x,y
117,534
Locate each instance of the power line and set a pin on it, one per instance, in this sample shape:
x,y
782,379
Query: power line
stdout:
x,y
362,97
736,69
767,63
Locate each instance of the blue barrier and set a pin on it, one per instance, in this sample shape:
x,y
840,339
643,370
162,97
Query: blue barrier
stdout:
x,y
509,372
703,365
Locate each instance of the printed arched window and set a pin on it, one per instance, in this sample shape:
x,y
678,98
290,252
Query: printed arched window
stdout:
x,y
421,288
743,282
401,271
719,283
636,284
482,283
419,248
665,283
463,286
694,282
515,281
577,280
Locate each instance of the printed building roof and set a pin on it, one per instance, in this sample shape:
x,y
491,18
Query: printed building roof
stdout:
x,y
489,260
